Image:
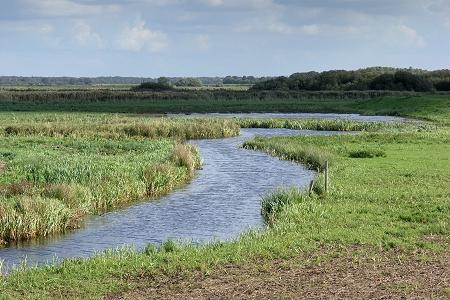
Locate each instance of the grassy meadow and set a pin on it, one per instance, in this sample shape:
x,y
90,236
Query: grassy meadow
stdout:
x,y
389,191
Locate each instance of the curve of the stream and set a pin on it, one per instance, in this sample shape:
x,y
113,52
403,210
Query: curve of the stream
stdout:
x,y
220,203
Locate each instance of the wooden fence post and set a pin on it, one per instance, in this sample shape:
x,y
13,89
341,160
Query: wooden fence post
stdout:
x,y
311,186
326,176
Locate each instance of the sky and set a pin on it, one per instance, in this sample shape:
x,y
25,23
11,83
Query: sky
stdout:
x,y
152,38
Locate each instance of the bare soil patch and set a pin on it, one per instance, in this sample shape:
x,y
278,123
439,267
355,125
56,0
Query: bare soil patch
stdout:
x,y
350,273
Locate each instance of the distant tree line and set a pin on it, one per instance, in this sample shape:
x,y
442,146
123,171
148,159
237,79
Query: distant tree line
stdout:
x,y
376,78
177,81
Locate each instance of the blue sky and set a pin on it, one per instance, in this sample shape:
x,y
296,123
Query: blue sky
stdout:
x,y
219,37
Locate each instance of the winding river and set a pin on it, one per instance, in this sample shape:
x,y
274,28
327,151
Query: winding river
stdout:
x,y
221,202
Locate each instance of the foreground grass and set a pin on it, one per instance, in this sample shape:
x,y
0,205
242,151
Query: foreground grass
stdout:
x,y
399,199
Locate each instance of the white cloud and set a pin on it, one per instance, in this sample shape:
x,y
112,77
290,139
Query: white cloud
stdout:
x,y
27,27
66,8
274,26
239,4
213,2
277,27
202,42
409,36
85,36
140,37
310,29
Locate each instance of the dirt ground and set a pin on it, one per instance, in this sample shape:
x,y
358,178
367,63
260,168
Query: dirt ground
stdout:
x,y
345,274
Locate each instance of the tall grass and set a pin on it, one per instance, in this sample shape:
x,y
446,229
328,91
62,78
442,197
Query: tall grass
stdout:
x,y
210,101
329,124
308,155
110,126
57,168
274,203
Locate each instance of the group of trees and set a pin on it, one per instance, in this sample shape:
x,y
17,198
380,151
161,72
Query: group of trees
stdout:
x,y
164,84
377,78
189,82
243,79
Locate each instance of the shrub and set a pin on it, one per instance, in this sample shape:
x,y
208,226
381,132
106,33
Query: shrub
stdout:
x,y
169,246
185,155
370,153
274,203
150,249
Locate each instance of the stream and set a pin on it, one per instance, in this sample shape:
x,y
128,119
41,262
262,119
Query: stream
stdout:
x,y
221,202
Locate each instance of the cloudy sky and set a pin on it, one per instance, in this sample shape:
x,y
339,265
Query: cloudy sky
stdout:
x,y
219,37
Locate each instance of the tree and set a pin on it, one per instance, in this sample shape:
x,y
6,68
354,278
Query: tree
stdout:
x,y
188,81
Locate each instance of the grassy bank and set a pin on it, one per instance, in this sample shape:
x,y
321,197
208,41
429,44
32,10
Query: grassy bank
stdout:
x,y
397,198
332,124
57,168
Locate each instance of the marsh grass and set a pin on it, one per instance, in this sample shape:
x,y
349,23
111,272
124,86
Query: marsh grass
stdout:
x,y
52,183
57,168
333,125
113,126
307,154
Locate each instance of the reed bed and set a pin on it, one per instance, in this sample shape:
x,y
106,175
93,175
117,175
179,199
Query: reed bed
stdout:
x,y
57,168
114,126
330,124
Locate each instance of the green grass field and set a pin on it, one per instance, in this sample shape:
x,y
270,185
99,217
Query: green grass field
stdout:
x,y
389,190
433,107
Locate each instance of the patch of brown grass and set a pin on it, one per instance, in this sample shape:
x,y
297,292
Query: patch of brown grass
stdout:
x,y
350,273
17,188
185,155
2,166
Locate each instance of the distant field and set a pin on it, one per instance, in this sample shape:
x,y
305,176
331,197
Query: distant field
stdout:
x,y
435,107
